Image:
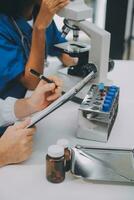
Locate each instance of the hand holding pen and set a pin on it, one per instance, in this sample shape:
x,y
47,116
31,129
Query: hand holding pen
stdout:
x,y
47,91
40,76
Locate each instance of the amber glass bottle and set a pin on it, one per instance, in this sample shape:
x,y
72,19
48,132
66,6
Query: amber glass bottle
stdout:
x,y
55,170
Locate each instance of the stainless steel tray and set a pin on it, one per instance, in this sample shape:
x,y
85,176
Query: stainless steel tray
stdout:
x,y
103,164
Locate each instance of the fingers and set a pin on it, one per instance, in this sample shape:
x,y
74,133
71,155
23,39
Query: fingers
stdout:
x,y
55,5
41,83
29,131
22,124
61,5
58,82
55,95
55,79
47,88
57,87
57,91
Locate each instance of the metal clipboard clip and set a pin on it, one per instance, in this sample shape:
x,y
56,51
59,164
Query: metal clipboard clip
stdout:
x,y
103,164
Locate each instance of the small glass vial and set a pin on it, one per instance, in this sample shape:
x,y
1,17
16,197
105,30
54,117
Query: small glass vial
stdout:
x,y
55,170
67,153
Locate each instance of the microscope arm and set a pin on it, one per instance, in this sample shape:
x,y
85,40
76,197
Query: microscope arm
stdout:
x,y
100,45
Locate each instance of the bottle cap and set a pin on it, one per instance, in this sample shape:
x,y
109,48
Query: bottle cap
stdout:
x,y
55,151
101,86
106,107
63,142
112,94
108,98
113,87
107,101
112,90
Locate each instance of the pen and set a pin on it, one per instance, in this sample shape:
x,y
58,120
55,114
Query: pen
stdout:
x,y
40,76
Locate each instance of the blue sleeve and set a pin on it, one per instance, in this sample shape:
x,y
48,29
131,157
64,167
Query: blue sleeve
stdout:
x,y
53,37
11,61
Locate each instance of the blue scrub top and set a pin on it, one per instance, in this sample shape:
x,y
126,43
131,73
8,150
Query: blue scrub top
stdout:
x,y
12,55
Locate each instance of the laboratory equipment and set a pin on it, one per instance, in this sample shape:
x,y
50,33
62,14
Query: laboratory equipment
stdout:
x,y
103,164
97,52
97,112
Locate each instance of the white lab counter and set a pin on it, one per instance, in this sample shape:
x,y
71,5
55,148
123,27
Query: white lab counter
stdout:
x,y
27,181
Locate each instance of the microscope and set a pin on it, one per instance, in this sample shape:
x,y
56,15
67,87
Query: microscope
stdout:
x,y
97,52
98,110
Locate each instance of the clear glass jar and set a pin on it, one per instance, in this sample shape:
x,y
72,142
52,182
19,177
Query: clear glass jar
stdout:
x,y
67,153
55,170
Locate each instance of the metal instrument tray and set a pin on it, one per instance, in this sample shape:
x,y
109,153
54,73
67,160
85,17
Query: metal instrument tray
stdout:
x,y
103,164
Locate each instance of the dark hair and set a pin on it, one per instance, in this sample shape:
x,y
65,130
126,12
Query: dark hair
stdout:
x,y
36,11
14,8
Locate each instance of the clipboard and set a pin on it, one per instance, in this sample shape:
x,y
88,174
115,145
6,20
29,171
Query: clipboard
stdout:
x,y
63,99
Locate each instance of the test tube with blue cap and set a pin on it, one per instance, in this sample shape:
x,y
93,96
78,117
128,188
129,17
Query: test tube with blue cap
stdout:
x,y
101,87
106,107
113,89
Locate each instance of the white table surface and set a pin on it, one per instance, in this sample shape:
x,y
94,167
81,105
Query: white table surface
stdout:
x,y
27,181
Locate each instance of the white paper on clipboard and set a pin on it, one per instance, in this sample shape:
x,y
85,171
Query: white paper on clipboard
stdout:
x,y
63,99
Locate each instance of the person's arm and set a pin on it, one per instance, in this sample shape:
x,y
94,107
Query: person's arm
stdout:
x,y
37,53
68,60
15,109
44,95
36,58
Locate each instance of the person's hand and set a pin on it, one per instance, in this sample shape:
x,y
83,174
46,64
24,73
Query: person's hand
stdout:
x,y
16,143
45,94
48,9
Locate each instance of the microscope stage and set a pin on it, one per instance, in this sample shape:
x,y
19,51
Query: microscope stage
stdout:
x,y
73,47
